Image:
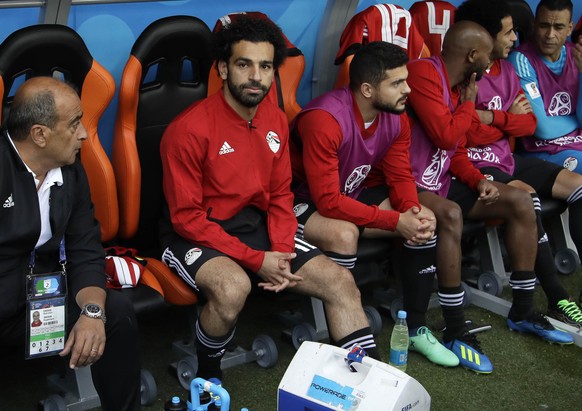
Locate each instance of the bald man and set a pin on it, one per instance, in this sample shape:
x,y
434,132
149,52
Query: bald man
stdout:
x,y
48,229
443,104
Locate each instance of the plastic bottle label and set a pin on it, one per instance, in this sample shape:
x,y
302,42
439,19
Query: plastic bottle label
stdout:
x,y
398,358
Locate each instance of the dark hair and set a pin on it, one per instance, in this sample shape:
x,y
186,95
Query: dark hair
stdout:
x,y
26,111
371,61
556,5
253,29
487,13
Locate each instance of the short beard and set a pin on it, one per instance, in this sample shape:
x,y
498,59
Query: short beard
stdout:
x,y
388,108
475,69
247,100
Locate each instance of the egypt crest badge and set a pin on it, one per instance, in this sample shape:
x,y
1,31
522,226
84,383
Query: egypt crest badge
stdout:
x,y
273,141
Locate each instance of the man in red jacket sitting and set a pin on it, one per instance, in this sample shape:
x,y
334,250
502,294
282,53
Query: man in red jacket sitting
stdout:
x,y
227,178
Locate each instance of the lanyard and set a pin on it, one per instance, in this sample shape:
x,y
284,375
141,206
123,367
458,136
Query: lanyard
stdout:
x,y
46,308
62,256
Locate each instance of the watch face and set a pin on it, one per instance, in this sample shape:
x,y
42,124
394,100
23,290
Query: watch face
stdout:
x,y
93,309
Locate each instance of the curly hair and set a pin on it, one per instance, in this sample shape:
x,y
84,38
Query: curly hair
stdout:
x,y
253,29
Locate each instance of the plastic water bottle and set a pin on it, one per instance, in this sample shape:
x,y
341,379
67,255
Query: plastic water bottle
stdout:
x,y
175,404
399,342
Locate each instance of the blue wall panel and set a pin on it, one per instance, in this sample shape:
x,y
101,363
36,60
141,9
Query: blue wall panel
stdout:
x,y
14,19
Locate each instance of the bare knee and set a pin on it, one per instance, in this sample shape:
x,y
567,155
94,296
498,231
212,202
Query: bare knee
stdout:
x,y
521,206
342,239
347,238
522,186
341,284
449,219
228,298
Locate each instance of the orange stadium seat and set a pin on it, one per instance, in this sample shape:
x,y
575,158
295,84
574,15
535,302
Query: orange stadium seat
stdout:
x,y
433,19
287,77
55,50
167,71
380,22
58,51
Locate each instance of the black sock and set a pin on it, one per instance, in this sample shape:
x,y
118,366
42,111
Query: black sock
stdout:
x,y
451,301
575,216
210,351
522,286
545,266
417,271
364,338
345,260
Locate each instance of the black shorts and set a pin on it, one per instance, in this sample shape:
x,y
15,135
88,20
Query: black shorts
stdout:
x,y
539,174
250,227
463,195
303,209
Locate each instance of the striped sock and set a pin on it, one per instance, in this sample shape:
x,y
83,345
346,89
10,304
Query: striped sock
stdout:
x,y
364,339
451,301
210,351
345,260
545,267
417,271
575,195
522,285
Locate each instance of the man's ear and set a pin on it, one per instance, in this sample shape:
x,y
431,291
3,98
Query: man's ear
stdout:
x,y
471,55
222,69
366,90
39,134
570,28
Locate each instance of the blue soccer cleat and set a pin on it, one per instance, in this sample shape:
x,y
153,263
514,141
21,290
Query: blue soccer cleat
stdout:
x,y
539,325
468,349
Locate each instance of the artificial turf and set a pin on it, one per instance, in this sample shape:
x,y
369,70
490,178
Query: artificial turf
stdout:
x,y
529,374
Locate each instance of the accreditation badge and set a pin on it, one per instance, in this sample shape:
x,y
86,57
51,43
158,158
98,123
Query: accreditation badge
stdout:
x,y
46,313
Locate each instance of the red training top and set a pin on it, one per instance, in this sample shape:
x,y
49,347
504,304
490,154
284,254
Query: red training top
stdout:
x,y
216,163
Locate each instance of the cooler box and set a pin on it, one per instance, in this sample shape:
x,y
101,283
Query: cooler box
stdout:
x,y
318,379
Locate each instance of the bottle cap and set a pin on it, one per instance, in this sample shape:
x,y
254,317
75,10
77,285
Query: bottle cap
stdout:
x,y
175,400
402,314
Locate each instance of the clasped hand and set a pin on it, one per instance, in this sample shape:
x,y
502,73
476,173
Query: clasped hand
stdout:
x,y
488,193
276,272
417,225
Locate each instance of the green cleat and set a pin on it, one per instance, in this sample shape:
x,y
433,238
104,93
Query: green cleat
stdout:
x,y
426,344
567,312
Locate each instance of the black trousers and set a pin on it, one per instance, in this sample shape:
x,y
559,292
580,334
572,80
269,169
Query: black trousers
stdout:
x,y
116,375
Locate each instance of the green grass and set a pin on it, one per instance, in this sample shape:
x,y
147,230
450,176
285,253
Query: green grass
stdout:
x,y
529,374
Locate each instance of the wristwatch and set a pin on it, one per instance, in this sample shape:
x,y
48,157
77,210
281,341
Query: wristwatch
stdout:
x,y
94,311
